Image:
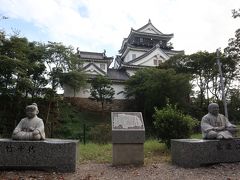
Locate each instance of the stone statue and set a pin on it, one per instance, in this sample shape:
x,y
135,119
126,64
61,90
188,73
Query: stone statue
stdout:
x,y
215,125
30,127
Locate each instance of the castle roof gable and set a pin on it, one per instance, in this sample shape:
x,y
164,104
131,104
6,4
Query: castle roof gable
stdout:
x,y
149,28
91,68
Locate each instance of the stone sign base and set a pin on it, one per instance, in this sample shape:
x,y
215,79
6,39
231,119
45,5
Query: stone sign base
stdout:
x,y
125,154
193,153
50,154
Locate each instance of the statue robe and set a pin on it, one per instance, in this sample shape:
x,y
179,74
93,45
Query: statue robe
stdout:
x,y
209,122
25,128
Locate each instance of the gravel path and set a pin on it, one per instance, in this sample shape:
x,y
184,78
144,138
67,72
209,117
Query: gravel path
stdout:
x,y
159,171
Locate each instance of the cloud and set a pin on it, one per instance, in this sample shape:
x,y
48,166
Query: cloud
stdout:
x,y
94,25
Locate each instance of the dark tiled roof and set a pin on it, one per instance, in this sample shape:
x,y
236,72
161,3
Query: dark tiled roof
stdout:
x,y
131,66
118,75
93,55
118,59
136,48
165,36
167,52
138,31
174,52
144,55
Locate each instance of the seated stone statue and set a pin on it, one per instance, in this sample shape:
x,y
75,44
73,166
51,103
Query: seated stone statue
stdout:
x,y
215,125
30,127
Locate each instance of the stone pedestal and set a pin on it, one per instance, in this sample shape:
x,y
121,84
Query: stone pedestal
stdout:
x,y
128,135
124,154
193,153
50,154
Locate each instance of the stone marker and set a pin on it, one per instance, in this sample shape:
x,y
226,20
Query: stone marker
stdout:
x,y
215,125
50,154
30,150
194,153
31,127
128,136
217,146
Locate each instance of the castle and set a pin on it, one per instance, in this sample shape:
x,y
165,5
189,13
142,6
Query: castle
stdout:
x,y
144,47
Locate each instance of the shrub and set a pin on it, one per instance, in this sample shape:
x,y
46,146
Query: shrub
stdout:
x,y
101,133
171,123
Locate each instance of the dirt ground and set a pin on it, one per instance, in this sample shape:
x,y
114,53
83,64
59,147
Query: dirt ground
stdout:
x,y
159,171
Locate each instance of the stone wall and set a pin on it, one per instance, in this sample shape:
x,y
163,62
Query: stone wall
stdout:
x,y
91,105
48,155
192,153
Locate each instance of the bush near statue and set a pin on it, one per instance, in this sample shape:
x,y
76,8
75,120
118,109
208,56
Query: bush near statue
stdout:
x,y
30,127
215,125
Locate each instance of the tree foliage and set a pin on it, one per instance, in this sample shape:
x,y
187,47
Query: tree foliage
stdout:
x,y
203,68
173,124
233,48
60,59
26,69
236,13
22,68
74,79
152,87
101,90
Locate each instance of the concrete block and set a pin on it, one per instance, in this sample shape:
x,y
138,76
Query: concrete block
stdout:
x,y
128,136
125,154
197,152
50,154
127,127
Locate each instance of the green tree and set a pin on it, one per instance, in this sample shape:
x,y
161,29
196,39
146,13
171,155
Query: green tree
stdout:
x,y
203,68
22,69
101,90
153,87
236,13
74,79
19,60
173,124
233,48
234,106
59,59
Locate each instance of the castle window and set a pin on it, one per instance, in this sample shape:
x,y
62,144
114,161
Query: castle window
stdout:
x,y
141,40
133,56
102,66
156,62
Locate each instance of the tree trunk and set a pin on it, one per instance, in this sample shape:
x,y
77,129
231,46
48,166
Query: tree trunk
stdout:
x,y
102,107
49,107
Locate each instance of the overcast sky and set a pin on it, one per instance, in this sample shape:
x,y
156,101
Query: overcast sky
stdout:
x,y
95,25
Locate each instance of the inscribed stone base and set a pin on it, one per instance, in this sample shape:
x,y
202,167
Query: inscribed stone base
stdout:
x,y
128,154
50,154
197,152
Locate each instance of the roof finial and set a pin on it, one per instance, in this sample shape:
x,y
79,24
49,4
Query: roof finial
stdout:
x,y
149,21
104,53
78,52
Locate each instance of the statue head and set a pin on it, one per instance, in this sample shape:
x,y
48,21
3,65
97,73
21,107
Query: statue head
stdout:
x,y
213,108
32,110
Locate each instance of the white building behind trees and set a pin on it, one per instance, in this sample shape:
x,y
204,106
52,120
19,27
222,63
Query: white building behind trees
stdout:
x,y
144,47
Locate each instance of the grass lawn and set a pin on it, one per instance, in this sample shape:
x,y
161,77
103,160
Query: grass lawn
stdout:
x,y
153,152
196,136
